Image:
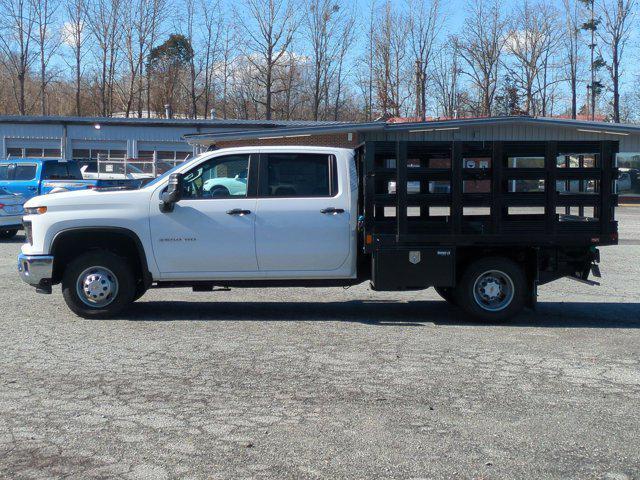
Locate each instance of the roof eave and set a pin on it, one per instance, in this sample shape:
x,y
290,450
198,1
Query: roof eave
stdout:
x,y
282,132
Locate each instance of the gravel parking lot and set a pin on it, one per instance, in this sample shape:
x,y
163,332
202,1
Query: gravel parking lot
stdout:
x,y
332,383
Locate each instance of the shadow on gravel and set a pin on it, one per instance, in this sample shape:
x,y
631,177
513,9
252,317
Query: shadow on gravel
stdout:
x,y
384,312
17,239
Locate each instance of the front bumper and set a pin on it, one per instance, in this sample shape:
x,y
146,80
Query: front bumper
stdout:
x,y
36,270
10,221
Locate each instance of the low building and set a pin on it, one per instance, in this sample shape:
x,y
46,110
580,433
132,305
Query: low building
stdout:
x,y
521,128
114,140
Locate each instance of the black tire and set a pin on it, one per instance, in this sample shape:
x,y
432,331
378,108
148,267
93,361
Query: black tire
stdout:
x,y
447,293
140,291
7,234
116,266
219,192
507,275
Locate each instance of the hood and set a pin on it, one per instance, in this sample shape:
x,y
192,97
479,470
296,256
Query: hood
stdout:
x,y
12,199
81,199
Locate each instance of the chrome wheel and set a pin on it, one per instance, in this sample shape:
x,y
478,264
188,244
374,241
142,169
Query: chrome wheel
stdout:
x,y
97,287
493,290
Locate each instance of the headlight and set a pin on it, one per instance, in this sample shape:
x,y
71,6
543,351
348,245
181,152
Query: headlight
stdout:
x,y
35,210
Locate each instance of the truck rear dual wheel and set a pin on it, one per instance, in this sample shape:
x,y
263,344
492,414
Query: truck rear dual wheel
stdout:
x,y
492,289
98,284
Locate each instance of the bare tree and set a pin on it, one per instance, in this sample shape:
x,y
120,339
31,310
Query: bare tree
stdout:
x,y
390,55
188,31
18,55
481,46
225,68
75,37
345,41
139,17
327,27
617,18
47,42
212,30
269,27
531,41
320,23
425,23
571,43
152,34
446,78
104,23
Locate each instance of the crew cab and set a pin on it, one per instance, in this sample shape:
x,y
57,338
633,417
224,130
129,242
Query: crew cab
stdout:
x,y
31,177
317,217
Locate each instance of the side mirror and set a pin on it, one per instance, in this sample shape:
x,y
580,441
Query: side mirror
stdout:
x,y
173,193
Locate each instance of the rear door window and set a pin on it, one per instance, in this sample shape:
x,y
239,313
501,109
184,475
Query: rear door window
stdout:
x,y
25,171
61,170
300,175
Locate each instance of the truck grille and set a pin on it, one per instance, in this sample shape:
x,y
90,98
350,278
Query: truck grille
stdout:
x,y
27,232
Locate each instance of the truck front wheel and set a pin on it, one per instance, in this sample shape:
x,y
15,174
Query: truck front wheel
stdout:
x,y
492,289
98,284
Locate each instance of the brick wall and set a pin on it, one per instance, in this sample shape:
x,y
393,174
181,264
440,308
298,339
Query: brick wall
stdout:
x,y
333,140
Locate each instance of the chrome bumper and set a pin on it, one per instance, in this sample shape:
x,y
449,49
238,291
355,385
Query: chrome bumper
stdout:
x,y
36,270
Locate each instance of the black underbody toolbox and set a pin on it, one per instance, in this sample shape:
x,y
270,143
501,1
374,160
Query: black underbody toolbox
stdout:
x,y
407,268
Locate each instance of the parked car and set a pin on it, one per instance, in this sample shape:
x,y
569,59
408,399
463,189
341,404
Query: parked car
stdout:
x,y
227,186
624,181
30,177
11,210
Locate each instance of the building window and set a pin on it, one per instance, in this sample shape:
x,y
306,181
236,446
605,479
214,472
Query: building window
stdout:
x,y
166,155
14,152
89,157
33,152
165,159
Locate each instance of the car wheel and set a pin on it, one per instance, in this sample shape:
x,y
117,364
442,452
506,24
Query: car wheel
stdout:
x,y
7,234
492,289
98,285
447,293
219,191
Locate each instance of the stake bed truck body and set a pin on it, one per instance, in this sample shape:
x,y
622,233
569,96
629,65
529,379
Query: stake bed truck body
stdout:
x,y
482,222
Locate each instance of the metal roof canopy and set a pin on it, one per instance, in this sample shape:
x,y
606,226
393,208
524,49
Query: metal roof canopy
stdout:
x,y
436,125
157,122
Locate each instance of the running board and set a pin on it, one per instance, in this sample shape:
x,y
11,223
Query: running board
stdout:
x,y
582,280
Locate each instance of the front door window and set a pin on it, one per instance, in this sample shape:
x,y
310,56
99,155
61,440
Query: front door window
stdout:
x,y
222,177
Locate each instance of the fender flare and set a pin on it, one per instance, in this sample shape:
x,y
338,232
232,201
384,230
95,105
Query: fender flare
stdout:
x,y
147,278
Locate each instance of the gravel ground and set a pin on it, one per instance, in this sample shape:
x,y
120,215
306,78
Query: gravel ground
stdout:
x,y
330,383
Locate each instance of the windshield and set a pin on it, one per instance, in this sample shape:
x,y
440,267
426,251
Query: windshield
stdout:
x,y
166,174
159,179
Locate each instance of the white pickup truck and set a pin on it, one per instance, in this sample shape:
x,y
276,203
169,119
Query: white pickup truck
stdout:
x,y
264,216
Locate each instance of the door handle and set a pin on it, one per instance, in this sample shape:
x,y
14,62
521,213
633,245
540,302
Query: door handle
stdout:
x,y
238,211
332,210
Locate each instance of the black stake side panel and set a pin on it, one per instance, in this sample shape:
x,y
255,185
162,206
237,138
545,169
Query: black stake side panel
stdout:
x,y
413,197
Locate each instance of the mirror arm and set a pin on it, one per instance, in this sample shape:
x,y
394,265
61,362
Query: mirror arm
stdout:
x,y
167,207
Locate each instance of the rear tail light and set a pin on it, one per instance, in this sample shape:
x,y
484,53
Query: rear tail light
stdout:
x,y
1,205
